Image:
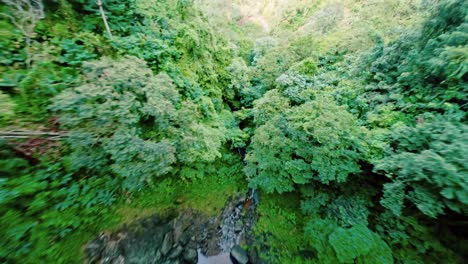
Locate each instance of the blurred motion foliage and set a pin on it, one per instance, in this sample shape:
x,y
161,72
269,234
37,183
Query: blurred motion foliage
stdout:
x,y
140,108
348,116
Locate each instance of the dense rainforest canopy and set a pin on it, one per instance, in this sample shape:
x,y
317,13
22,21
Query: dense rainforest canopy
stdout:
x,y
348,116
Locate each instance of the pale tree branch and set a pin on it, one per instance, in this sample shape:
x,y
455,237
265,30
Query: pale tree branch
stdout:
x,y
104,19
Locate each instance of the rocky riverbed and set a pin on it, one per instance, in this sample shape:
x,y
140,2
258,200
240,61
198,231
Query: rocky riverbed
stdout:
x,y
180,237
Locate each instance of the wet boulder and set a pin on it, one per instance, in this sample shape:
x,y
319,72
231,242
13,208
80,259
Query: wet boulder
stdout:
x,y
239,255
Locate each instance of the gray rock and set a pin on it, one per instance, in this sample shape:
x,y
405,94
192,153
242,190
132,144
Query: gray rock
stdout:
x,y
119,260
190,255
176,252
175,238
95,248
185,238
255,197
178,231
238,226
93,251
111,252
171,261
167,244
158,236
157,257
239,255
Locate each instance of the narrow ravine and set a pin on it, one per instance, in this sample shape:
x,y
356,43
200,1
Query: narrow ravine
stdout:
x,y
180,237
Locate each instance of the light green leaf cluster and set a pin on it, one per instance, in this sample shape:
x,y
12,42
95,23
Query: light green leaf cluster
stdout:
x,y
317,140
335,244
239,75
136,122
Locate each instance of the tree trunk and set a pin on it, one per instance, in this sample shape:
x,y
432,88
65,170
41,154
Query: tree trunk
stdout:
x,y
104,19
28,51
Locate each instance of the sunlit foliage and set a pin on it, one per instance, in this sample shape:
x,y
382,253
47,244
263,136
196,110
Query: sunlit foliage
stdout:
x,y
348,117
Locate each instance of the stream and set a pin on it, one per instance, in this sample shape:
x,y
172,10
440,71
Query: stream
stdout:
x,y
222,258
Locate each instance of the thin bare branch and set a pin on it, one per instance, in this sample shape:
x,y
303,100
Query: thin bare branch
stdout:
x,y
104,18
24,134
